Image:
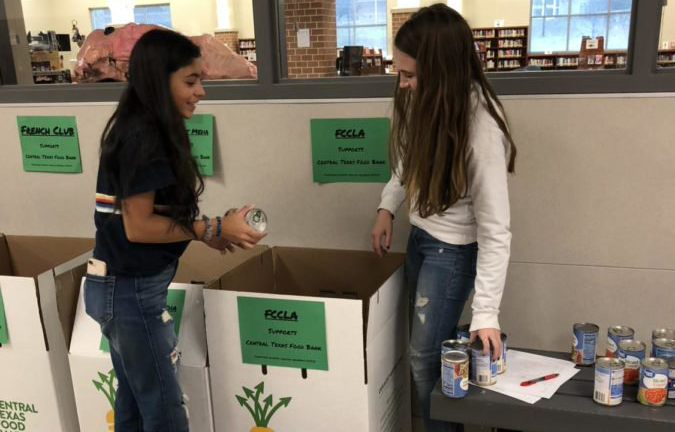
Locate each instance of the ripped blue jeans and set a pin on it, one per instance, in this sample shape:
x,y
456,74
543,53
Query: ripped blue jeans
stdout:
x,y
440,277
133,316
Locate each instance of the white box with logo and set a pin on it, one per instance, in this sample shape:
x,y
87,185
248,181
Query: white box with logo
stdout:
x,y
39,279
310,339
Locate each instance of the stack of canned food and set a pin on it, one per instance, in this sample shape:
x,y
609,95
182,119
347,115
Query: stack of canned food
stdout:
x,y
626,363
461,362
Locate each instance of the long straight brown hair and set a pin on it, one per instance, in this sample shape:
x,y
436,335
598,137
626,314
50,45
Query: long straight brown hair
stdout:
x,y
430,131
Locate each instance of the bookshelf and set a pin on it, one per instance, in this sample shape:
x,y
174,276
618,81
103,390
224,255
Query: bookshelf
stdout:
x,y
616,59
570,60
502,48
246,49
666,58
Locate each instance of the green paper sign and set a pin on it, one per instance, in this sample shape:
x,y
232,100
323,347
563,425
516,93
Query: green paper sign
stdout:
x,y
175,302
289,333
49,144
4,336
350,150
200,132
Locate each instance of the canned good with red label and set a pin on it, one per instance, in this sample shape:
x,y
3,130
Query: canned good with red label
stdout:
x,y
632,352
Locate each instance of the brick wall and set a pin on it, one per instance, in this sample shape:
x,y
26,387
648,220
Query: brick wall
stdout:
x,y
319,17
229,38
398,17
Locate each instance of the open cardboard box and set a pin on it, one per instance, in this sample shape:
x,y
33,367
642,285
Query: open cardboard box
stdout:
x,y
310,339
39,281
93,376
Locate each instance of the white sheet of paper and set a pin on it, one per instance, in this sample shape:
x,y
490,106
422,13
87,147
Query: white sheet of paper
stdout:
x,y
523,397
522,366
303,38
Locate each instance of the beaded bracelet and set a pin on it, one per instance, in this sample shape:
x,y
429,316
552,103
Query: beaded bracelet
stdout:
x,y
208,229
219,226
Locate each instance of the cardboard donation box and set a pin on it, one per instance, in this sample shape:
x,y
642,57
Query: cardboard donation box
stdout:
x,y
310,339
39,280
94,378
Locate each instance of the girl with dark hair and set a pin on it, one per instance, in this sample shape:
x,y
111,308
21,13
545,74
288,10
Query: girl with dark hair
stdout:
x,y
451,150
146,214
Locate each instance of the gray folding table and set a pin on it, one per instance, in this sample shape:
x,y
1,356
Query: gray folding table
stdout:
x,y
571,409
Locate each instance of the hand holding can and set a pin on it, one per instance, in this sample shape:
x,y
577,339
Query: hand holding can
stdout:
x,y
236,229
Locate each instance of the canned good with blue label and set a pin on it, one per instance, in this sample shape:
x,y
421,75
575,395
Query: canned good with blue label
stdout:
x,y
463,333
616,334
483,366
454,344
584,344
671,378
501,363
608,389
455,374
663,348
662,333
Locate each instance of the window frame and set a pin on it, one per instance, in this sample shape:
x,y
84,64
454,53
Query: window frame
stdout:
x,y
639,76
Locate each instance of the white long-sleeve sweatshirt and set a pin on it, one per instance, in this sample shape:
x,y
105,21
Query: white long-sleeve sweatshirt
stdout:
x,y
482,216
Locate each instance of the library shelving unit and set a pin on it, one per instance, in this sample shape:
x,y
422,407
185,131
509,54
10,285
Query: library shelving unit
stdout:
x,y
247,49
564,61
666,58
616,59
501,48
557,61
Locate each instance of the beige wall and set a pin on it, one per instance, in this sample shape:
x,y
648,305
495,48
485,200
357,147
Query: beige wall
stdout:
x,y
592,223
668,23
483,13
242,18
192,17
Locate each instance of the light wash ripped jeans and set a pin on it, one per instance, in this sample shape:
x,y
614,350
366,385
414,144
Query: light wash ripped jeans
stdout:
x,y
132,314
440,277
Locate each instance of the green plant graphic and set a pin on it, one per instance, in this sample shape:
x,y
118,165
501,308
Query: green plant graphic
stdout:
x,y
262,414
107,386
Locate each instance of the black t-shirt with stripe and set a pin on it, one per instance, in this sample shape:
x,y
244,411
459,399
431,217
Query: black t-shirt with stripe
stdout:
x,y
155,173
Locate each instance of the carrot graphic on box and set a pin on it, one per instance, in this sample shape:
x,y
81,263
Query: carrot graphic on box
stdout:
x,y
262,414
107,386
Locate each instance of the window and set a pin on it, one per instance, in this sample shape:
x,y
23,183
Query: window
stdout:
x,y
362,22
560,25
100,18
150,14
153,14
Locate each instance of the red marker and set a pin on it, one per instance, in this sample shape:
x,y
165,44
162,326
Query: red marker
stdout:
x,y
536,380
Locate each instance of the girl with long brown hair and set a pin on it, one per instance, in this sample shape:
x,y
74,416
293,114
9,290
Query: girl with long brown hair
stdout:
x,y
450,151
